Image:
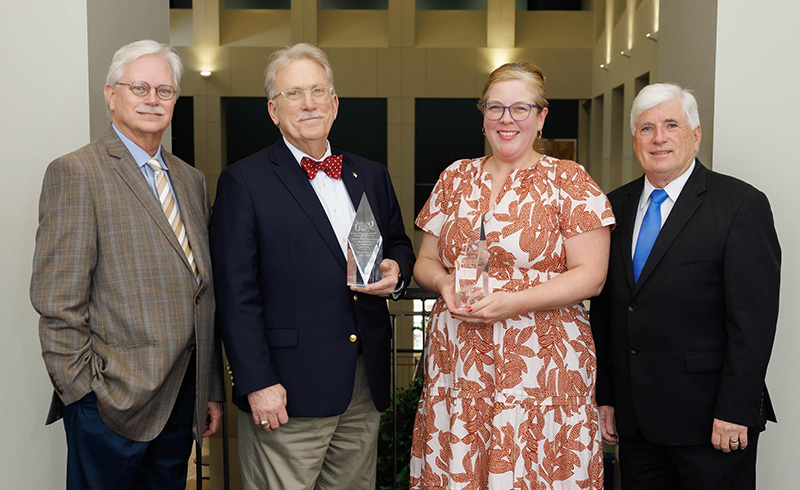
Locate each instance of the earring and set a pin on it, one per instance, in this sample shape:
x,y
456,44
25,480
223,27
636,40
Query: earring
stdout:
x,y
483,130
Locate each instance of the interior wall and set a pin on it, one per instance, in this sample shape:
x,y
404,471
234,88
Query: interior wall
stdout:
x,y
44,112
55,55
626,55
110,26
755,127
687,42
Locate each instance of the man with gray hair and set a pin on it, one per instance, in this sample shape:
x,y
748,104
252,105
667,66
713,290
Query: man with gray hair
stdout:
x,y
685,324
309,356
122,281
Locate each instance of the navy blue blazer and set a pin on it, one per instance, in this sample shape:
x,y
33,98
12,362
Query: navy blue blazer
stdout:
x,y
690,341
284,308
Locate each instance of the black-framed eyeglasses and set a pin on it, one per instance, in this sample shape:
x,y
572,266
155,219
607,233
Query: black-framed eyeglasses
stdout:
x,y
519,112
140,89
295,96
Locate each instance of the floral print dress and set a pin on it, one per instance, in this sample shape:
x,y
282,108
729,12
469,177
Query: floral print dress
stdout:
x,y
511,405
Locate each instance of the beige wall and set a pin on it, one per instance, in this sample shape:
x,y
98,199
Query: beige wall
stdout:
x,y
617,83
687,54
44,111
756,127
55,54
110,26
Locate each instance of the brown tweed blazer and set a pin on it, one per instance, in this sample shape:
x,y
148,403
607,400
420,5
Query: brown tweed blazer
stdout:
x,y
121,311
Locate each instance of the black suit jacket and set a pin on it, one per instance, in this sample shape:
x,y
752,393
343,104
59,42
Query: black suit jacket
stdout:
x,y
285,311
690,341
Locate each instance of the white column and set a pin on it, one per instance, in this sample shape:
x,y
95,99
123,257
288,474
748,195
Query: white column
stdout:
x,y
44,112
54,55
756,127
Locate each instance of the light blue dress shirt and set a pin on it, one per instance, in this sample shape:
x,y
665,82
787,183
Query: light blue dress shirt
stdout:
x,y
141,157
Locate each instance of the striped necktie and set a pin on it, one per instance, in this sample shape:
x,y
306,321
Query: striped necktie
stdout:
x,y
171,211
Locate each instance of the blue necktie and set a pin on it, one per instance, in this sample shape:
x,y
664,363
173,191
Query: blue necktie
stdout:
x,y
651,225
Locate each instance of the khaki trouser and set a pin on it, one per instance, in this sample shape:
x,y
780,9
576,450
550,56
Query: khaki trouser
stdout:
x,y
325,453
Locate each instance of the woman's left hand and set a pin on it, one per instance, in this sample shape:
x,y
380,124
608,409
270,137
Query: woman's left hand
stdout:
x,y
493,308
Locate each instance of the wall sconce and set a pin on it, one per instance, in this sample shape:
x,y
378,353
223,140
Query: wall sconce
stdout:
x,y
653,36
626,53
604,66
205,73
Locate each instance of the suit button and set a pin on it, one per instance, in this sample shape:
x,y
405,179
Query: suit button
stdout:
x,y
634,350
355,297
353,337
191,347
197,300
631,308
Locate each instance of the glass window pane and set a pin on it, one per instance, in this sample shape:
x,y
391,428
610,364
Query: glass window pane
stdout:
x,y
451,5
258,4
445,130
354,4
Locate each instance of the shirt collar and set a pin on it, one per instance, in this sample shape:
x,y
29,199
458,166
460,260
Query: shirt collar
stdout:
x,y
673,189
139,155
298,154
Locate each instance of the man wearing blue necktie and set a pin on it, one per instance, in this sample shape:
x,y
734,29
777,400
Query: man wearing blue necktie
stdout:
x,y
685,324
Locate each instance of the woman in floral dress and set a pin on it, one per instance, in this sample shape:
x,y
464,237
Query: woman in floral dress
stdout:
x,y
508,398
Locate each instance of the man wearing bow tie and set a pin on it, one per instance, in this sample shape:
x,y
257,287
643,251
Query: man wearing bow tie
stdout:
x,y
309,355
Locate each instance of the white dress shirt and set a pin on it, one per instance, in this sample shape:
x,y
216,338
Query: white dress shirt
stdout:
x,y
332,195
673,190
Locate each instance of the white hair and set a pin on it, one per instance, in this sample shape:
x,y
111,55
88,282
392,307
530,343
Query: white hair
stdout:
x,y
133,51
658,93
287,54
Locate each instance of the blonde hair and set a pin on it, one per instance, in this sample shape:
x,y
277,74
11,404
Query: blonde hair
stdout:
x,y
521,70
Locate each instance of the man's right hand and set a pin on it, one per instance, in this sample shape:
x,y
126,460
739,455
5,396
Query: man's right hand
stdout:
x,y
269,407
607,426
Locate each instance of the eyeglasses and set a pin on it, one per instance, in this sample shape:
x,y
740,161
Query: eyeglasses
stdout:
x,y
519,112
140,88
296,96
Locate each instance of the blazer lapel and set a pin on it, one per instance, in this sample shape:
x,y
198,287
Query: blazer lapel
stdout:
x,y
686,205
130,172
296,182
627,220
353,183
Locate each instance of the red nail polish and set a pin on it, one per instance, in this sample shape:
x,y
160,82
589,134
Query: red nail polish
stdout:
x,y
469,309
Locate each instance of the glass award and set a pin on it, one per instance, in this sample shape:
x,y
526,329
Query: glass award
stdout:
x,y
364,247
472,272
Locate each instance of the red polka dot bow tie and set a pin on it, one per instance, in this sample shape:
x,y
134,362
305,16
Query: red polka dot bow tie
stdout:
x,y
331,166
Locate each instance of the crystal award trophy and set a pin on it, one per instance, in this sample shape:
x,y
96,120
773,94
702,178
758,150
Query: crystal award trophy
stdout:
x,y
364,247
472,272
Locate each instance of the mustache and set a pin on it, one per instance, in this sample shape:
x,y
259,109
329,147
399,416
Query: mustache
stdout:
x,y
309,115
151,109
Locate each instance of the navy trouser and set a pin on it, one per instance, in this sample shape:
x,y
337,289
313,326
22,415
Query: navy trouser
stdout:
x,y
100,459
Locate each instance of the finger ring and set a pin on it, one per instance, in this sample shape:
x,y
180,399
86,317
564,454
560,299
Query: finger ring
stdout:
x,y
264,423
735,442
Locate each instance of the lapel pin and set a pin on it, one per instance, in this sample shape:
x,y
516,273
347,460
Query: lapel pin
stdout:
x,y
355,175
